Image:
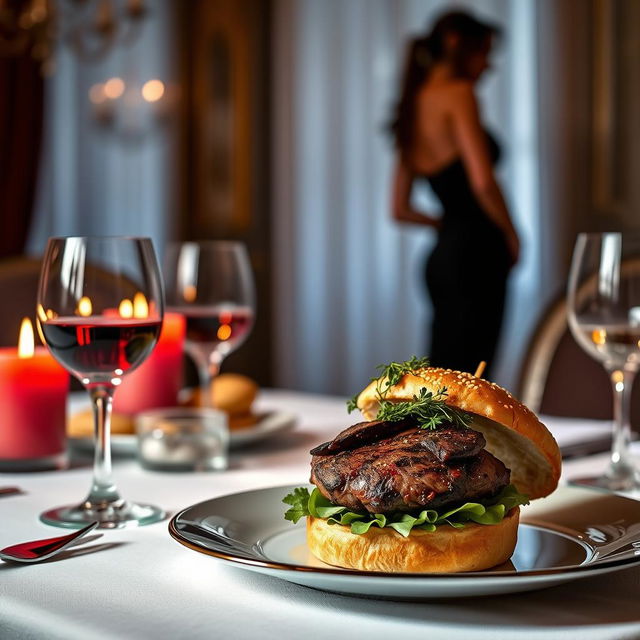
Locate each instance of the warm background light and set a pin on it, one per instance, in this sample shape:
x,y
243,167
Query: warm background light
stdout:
x,y
152,90
97,94
26,341
113,88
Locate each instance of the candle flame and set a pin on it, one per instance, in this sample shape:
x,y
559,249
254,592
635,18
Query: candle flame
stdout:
x,y
26,342
140,306
126,309
85,308
189,293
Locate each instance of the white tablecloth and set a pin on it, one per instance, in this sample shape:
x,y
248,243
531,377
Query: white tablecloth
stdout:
x,y
139,583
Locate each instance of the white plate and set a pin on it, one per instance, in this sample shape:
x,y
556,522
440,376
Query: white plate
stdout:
x,y
574,533
271,424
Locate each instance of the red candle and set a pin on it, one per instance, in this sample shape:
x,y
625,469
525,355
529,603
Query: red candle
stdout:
x,y
156,382
33,396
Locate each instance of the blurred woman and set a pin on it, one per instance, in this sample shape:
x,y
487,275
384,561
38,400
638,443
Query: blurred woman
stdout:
x,y
440,138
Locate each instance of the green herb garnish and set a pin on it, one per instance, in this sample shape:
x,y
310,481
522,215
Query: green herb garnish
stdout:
x,y
316,505
390,374
428,408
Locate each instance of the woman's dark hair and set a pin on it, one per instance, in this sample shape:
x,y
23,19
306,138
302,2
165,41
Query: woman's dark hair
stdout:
x,y
428,49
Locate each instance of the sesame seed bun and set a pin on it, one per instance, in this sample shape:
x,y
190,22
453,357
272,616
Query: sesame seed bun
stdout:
x,y
445,550
513,433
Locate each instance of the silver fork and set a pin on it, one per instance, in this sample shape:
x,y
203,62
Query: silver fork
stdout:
x,y
39,550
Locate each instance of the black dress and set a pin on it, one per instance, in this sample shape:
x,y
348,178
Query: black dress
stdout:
x,y
466,274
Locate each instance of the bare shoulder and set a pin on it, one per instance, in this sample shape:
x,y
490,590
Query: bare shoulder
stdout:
x,y
461,92
461,99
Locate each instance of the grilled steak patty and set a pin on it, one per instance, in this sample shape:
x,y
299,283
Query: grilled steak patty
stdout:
x,y
446,442
359,435
409,471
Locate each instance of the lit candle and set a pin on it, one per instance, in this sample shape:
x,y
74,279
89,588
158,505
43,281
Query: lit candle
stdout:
x,y
33,395
156,382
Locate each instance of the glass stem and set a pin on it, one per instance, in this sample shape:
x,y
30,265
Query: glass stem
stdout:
x,y
103,490
620,467
208,368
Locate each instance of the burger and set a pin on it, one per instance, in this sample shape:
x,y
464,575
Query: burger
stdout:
x,y
432,480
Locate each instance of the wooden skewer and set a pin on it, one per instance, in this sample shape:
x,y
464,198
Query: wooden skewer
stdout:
x,y
480,369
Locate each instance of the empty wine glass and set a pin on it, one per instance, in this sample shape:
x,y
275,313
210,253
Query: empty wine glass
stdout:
x,y
604,317
211,284
100,308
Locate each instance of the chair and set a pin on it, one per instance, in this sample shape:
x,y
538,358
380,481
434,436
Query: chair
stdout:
x,y
558,378
18,293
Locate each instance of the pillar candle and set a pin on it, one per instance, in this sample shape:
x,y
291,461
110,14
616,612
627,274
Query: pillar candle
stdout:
x,y
156,382
33,395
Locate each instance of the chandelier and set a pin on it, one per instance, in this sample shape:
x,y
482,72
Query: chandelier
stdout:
x,y
90,28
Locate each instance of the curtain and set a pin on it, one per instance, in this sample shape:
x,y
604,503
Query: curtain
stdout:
x,y
21,88
349,282
117,178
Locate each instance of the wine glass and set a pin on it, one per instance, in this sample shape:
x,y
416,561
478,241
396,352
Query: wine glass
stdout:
x,y
100,308
604,317
211,284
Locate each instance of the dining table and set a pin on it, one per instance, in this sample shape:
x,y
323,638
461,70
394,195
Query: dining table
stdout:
x,y
140,583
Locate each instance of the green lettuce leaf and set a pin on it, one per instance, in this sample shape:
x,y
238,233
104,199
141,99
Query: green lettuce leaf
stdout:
x,y
299,501
315,504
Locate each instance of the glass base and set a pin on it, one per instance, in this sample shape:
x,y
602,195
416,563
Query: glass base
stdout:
x,y
115,515
605,483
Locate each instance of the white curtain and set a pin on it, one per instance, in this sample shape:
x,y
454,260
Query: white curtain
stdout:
x,y
349,288
98,180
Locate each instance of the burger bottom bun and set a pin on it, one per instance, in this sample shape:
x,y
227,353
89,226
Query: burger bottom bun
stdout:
x,y
445,550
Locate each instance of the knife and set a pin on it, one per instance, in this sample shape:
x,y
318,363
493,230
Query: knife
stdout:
x,y
10,491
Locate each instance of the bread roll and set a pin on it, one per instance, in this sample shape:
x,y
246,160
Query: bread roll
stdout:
x,y
80,425
231,392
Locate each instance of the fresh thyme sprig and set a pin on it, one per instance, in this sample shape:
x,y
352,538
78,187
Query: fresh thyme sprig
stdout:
x,y
390,374
427,407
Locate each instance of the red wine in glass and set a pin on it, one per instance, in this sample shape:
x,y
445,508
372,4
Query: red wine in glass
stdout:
x,y
101,344
100,307
218,327
211,284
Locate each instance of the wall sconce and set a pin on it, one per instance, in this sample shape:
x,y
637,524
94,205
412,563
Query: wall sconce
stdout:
x,y
129,110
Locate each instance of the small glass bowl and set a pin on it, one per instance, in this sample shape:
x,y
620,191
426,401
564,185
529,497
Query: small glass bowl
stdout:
x,y
183,439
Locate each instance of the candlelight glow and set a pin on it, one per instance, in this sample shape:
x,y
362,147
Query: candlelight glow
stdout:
x,y
599,336
42,314
224,332
26,342
140,306
126,309
153,90
85,308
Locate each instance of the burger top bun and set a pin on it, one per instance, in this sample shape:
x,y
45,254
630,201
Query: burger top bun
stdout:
x,y
513,433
